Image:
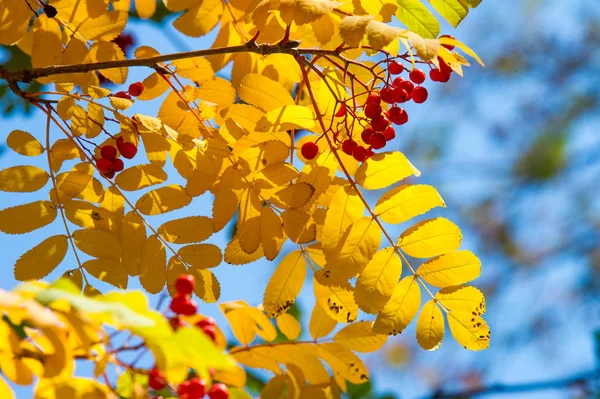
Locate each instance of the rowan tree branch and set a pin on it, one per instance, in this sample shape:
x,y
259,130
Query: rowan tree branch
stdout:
x,y
579,379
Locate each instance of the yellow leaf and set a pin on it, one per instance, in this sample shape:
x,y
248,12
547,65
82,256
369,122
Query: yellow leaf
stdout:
x,y
197,69
464,299
226,199
430,326
305,11
152,265
234,255
71,388
345,208
98,244
47,44
109,51
427,49
453,268
133,238
353,29
249,221
5,390
235,377
246,322
298,226
276,387
88,216
380,34
200,19
24,143
154,86
405,202
376,282
218,91
452,10
187,230
140,176
263,92
201,256
472,332
106,27
272,237
78,184
107,270
337,302
340,359
430,237
285,284
22,179
95,120
418,18
26,218
401,308
360,337
65,107
14,20
383,170
462,46
319,173
145,8
289,326
163,200
355,249
40,260
207,286
293,196
321,324
286,118
176,113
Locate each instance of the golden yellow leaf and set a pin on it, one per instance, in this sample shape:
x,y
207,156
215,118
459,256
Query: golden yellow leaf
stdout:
x,y
293,196
201,256
462,46
5,390
360,337
200,18
380,34
453,268
79,184
263,92
89,216
276,387
246,322
186,230
207,286
95,120
14,19
430,237
321,324
40,260
154,86
384,169
105,27
298,226
400,309
304,11
71,388
427,49
286,118
109,271
430,326
249,221
272,237
109,51
140,176
472,332
353,29
405,202
235,377
337,302
98,244
345,208
145,8
319,173
22,179
375,284
47,42
418,18
289,326
197,69
133,239
163,200
24,143
153,265
340,359
235,255
176,113
285,284
217,91
226,199
26,218
464,299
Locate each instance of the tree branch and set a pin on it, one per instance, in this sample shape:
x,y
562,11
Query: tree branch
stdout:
x,y
578,379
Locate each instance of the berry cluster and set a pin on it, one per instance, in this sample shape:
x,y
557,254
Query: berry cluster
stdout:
x,y
194,388
109,163
135,89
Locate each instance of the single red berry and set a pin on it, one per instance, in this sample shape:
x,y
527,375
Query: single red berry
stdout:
x,y
377,141
359,153
395,68
398,116
211,331
434,75
218,391
135,89
342,111
444,77
176,323
156,379
104,165
128,150
183,391
109,175
190,308
366,134
380,124
197,388
386,95
417,76
445,68
348,146
389,133
420,94
122,94
400,95
108,151
405,85
309,150
207,321
182,304
373,98
372,110
185,284
448,46
118,165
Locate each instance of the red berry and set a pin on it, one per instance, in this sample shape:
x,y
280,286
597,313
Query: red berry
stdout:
x,y
400,95
207,321
128,150
185,284
395,68
211,331
182,304
359,153
434,75
342,111
183,391
420,94
309,150
135,89
348,146
377,141
118,165
176,322
389,133
197,388
417,76
380,124
122,94
405,85
156,380
104,165
448,46
372,110
108,151
109,175
218,391
398,116
366,134
445,68
444,77
373,98
386,95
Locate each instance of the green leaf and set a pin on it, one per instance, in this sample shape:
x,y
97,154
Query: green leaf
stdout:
x,y
452,10
418,18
